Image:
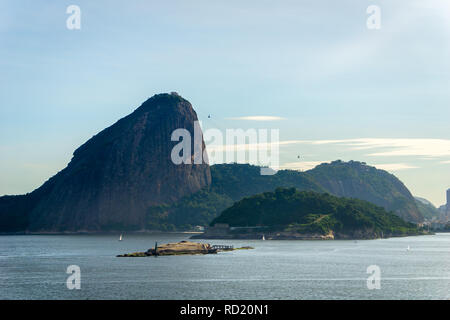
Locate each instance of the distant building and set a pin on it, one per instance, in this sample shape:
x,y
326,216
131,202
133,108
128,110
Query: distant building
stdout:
x,y
448,202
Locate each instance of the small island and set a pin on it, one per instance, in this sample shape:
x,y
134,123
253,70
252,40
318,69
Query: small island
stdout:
x,y
290,214
182,248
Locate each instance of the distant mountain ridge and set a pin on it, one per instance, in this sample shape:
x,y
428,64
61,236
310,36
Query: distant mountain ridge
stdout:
x,y
230,183
233,182
355,179
123,179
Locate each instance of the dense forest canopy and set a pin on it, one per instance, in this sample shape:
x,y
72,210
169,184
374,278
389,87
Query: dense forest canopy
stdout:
x,y
288,209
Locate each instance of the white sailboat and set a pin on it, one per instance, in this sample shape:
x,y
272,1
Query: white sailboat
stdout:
x,y
120,237
263,238
408,249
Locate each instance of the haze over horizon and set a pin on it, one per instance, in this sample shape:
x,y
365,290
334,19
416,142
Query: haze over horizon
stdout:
x,y
335,89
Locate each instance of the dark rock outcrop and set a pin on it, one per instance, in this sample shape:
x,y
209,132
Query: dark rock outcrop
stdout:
x,y
116,175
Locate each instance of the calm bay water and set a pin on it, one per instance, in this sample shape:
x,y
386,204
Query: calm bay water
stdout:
x,y
34,267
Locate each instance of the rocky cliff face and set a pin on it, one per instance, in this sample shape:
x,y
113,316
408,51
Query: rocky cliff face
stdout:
x,y
355,179
115,176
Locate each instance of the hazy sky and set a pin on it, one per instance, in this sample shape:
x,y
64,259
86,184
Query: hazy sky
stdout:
x,y
342,91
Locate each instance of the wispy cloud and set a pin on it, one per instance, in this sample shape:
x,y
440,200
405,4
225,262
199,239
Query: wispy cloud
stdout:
x,y
376,147
429,149
302,165
257,118
307,165
394,166
219,147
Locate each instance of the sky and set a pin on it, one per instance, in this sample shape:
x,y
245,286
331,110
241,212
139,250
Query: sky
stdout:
x,y
334,88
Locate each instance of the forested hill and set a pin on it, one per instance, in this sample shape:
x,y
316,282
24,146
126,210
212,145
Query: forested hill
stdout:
x,y
307,212
355,179
232,182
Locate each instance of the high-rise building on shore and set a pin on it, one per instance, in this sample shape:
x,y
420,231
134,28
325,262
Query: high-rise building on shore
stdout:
x,y
448,202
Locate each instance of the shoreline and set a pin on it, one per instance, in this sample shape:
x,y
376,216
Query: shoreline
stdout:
x,y
68,233
308,237
201,236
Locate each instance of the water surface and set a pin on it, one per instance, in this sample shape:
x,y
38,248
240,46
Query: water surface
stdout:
x,y
34,267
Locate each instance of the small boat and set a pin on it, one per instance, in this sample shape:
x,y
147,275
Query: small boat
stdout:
x,y
121,237
263,238
408,249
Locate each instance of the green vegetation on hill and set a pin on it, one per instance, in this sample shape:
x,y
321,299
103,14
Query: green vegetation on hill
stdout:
x,y
355,179
197,209
230,183
241,180
307,212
